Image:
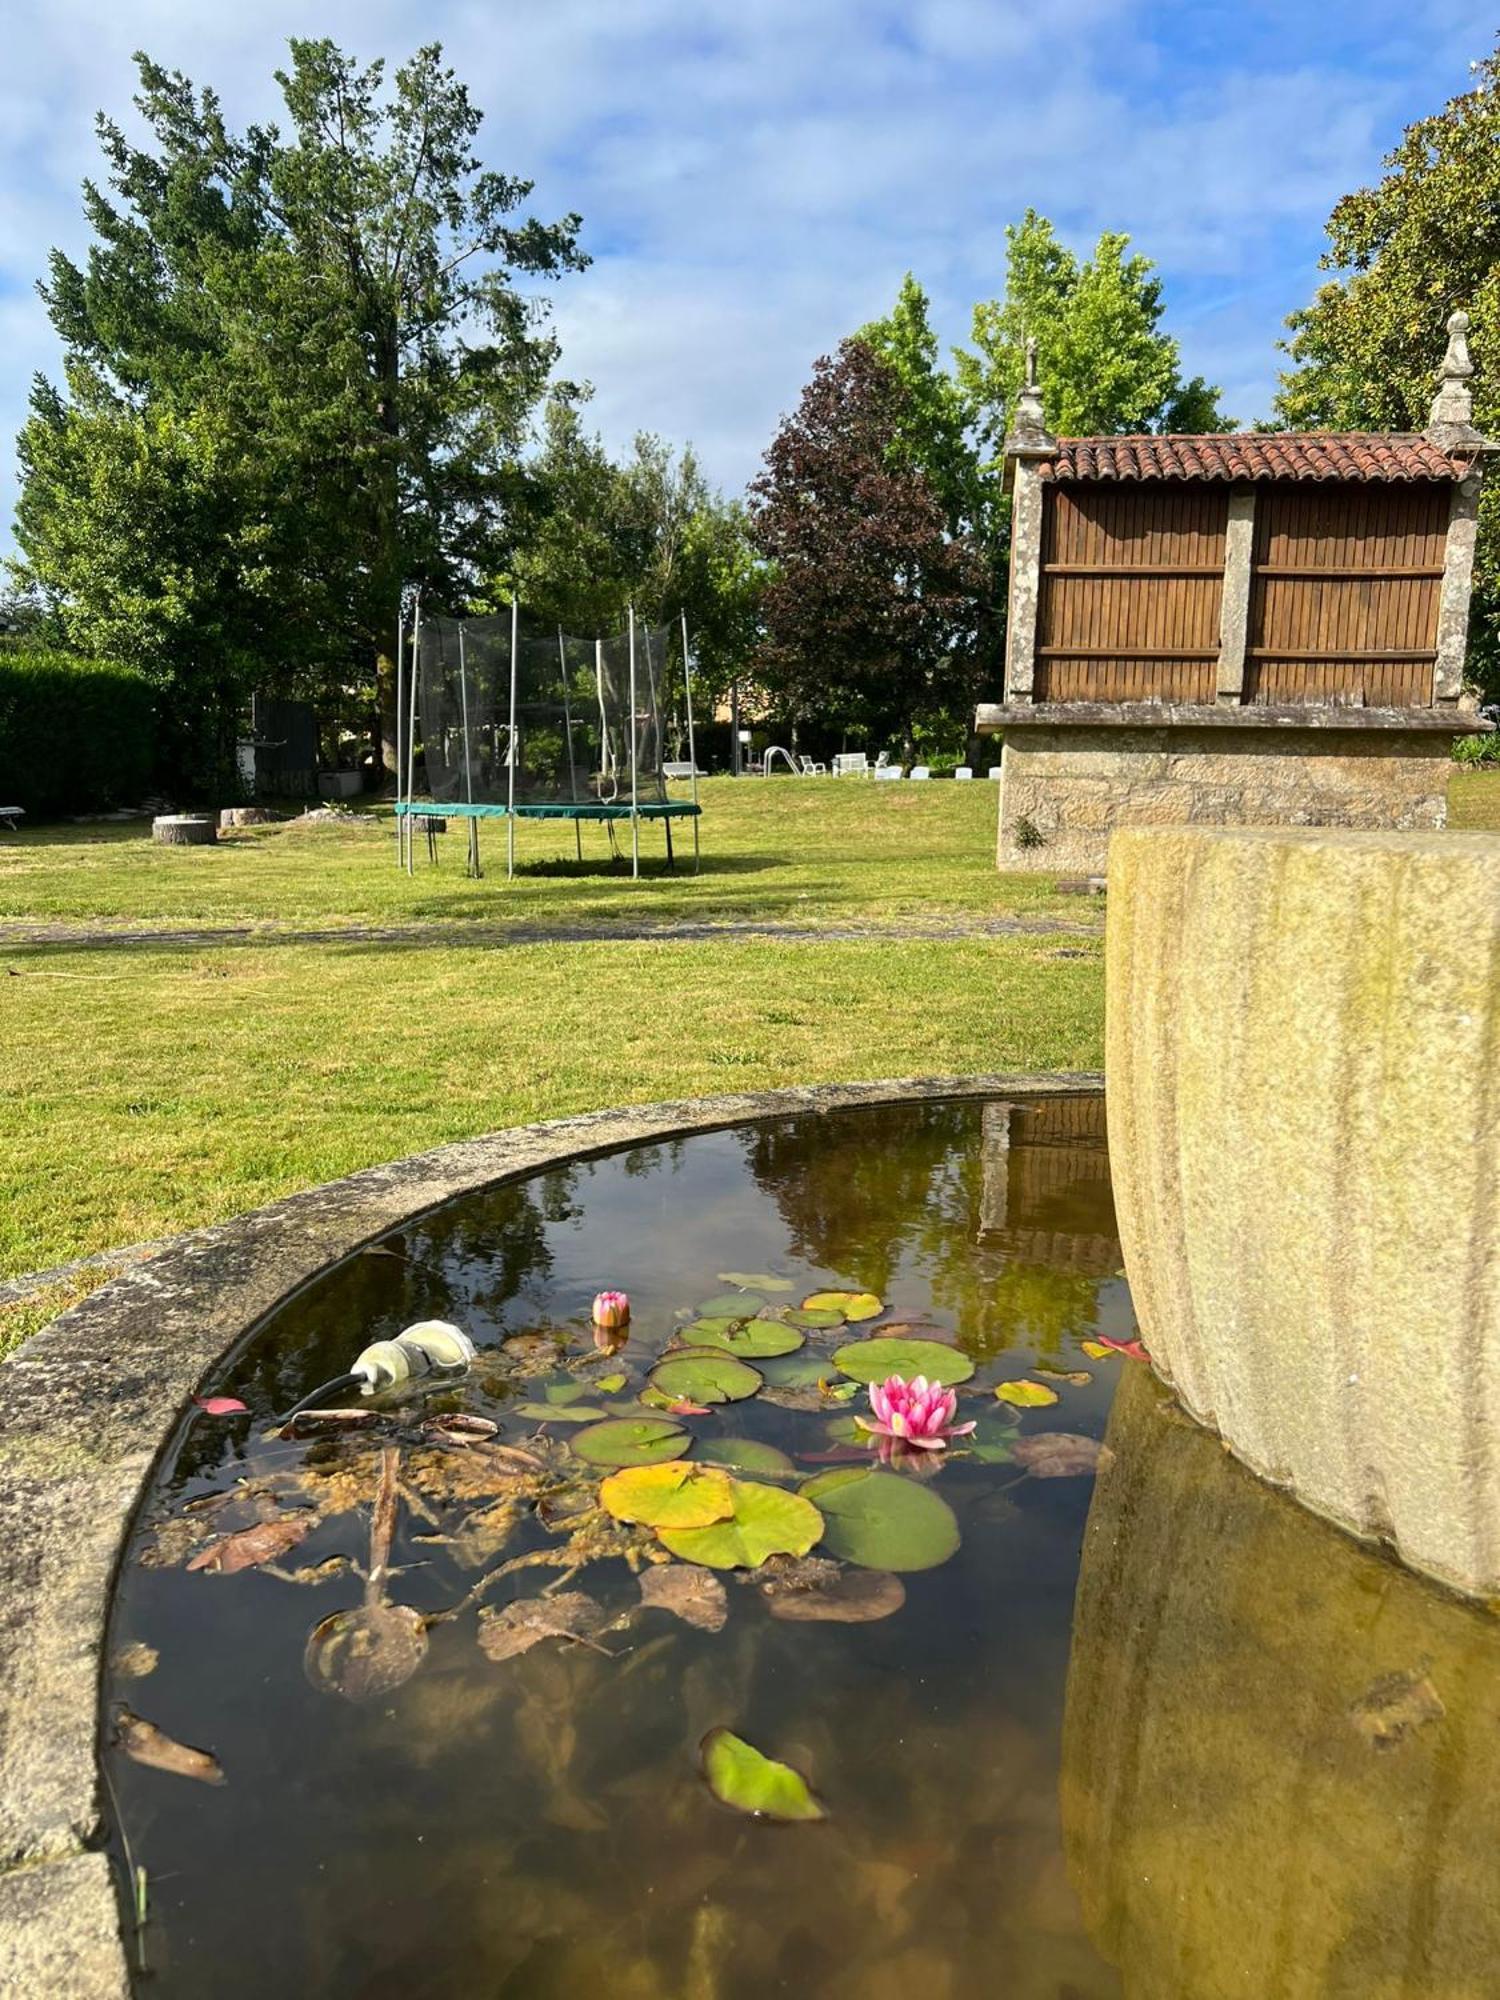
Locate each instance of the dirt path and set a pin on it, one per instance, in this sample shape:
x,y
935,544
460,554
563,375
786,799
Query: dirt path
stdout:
x,y
18,933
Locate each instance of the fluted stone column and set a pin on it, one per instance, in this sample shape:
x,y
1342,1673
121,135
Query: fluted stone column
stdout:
x,y
1304,1122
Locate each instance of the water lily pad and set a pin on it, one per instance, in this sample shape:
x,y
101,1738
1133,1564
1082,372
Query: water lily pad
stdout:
x,y
814,1318
705,1377
609,1384
755,1281
1026,1395
561,1413
753,1339
765,1522
853,1305
795,1371
874,1360
882,1521
845,1430
631,1441
730,1305
1097,1351
740,1776
746,1455
1078,1378
676,1494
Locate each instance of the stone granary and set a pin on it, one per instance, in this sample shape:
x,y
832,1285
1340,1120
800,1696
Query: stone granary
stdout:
x,y
1251,629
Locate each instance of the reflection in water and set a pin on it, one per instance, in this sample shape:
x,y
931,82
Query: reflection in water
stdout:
x,y
1281,1757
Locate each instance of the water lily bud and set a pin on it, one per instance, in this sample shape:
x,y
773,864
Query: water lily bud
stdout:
x,y
611,1311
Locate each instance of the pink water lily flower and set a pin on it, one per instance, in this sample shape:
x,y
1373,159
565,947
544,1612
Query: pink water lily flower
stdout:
x,y
917,1413
611,1311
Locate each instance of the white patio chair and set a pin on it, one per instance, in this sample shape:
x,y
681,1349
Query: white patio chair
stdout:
x,y
882,760
851,764
962,773
812,770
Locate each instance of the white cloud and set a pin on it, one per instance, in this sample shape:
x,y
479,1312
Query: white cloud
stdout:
x,y
755,175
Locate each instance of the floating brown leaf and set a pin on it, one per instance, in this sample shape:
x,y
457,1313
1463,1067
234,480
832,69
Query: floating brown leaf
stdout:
x,y
1079,1377
146,1744
848,1597
693,1594
247,1548
1395,1707
1059,1454
518,1627
134,1662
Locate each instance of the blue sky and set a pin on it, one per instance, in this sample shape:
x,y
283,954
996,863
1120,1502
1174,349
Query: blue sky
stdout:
x,y
756,175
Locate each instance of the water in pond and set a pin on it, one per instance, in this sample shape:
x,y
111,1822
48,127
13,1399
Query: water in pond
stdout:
x,y
1079,1723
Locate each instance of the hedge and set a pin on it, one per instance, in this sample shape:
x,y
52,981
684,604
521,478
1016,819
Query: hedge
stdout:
x,y
76,735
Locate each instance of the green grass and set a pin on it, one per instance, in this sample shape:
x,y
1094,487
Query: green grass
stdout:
x,y
777,850
150,1089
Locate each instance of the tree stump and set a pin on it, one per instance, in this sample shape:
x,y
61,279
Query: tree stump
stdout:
x,y
184,830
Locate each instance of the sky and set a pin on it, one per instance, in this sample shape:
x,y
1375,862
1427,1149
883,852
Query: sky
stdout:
x,y
756,176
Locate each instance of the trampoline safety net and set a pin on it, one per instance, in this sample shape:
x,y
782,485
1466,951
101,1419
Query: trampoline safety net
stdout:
x,y
580,722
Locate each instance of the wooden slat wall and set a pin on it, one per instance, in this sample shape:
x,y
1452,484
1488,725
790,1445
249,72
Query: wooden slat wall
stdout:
x,y
1130,588
1307,633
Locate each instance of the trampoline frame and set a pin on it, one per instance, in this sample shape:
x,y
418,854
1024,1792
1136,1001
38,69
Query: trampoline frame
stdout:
x,y
410,810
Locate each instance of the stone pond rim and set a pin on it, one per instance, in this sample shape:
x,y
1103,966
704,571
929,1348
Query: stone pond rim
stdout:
x,y
88,1405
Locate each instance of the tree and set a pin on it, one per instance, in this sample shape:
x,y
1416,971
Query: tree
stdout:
x,y
598,538
1105,364
933,436
1409,251
869,599
325,326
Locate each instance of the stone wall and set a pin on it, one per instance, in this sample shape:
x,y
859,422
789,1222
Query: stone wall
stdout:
x,y
1072,786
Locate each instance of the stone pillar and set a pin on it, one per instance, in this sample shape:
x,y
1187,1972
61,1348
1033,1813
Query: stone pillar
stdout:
x,y
1025,581
1304,1136
1234,606
1458,583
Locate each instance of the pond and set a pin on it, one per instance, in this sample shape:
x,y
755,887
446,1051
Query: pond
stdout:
x,y
476,1699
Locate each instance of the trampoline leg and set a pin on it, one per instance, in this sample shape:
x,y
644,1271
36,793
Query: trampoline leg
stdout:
x,y
671,863
431,842
474,868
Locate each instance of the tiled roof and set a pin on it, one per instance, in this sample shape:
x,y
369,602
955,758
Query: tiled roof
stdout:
x,y
1255,455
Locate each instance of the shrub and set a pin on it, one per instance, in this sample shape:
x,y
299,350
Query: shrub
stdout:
x,y
75,735
1477,749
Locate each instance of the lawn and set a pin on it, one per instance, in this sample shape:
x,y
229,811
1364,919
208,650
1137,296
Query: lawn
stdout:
x,y
151,1087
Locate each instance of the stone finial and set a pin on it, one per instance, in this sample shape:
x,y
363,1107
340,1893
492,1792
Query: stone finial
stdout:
x,y
1028,436
1450,423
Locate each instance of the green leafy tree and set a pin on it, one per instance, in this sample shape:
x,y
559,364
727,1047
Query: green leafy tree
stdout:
x,y
1421,243
934,436
326,323
600,537
1104,362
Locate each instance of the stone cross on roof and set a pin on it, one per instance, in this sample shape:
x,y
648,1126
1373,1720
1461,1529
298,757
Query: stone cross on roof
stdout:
x,y
1028,436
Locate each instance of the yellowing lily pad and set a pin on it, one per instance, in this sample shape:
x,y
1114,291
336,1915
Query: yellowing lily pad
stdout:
x,y
746,1455
740,1776
1097,1351
631,1441
766,1522
674,1495
882,1521
751,1339
1026,1395
704,1376
853,1305
873,1360
610,1383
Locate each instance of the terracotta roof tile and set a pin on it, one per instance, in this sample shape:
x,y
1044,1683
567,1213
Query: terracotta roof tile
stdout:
x,y
1255,455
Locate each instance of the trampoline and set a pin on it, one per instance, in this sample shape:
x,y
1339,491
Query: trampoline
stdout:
x,y
500,722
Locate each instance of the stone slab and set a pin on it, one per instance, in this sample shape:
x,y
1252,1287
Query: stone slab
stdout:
x,y
1303,1033
88,1404
59,1939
